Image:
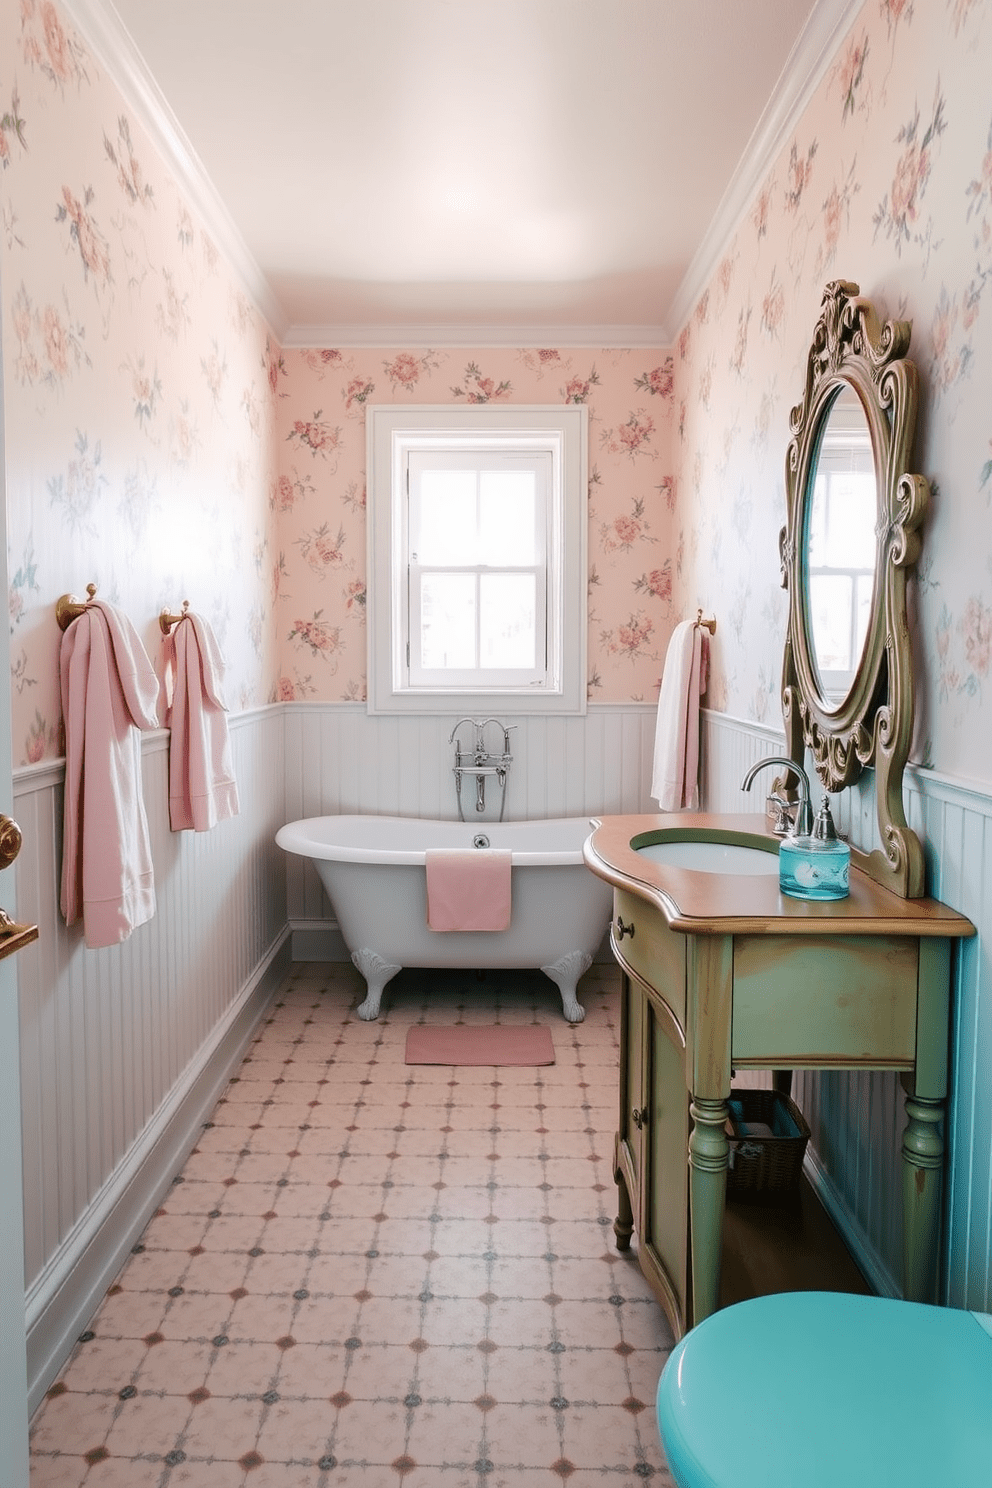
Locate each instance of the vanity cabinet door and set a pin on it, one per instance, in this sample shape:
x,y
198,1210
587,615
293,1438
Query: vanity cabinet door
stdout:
x,y
653,1131
664,1229
631,1132
651,1148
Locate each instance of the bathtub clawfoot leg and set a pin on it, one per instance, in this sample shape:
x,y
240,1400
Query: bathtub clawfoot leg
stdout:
x,y
565,973
377,973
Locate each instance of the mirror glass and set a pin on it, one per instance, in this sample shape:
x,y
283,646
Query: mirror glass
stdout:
x,y
839,548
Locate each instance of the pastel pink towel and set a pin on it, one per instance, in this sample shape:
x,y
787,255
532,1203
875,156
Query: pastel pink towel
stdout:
x,y
109,692
468,889
202,787
675,776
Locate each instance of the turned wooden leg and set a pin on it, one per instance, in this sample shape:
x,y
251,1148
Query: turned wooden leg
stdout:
x,y
623,1225
708,1157
923,1169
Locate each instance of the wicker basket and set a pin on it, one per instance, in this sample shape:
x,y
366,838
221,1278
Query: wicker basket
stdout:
x,y
763,1164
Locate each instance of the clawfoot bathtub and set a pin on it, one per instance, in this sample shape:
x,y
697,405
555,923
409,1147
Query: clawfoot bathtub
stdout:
x,y
373,870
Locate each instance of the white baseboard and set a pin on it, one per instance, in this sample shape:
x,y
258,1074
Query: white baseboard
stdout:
x,y
863,1253
318,940
69,1289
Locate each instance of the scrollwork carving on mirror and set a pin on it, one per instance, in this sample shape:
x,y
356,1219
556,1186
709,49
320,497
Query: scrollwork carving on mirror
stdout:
x,y
847,681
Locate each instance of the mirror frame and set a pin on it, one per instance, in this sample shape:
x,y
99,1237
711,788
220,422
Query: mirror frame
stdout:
x,y
872,724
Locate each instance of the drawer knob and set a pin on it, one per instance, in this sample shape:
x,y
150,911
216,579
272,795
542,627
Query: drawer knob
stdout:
x,y
639,1116
623,929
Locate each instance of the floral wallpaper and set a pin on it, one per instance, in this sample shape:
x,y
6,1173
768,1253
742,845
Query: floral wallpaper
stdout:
x,y
137,389
887,181
161,445
318,573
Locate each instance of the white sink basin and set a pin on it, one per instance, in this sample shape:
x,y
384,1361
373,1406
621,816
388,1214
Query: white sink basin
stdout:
x,y
712,857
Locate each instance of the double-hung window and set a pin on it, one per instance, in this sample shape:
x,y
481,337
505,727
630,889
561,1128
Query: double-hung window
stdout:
x,y
840,545
476,580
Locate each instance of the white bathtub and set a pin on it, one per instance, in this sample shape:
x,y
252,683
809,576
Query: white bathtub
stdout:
x,y
373,870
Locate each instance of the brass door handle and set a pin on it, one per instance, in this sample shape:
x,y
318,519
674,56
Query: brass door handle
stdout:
x,y
10,841
623,929
12,935
639,1116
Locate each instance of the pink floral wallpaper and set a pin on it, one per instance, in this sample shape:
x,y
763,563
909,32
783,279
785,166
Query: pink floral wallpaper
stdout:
x,y
318,573
138,404
887,180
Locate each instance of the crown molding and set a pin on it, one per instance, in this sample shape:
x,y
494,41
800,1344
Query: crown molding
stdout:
x,y
469,336
812,54
113,46
808,61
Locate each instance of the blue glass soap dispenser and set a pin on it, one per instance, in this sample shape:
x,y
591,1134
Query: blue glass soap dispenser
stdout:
x,y
816,866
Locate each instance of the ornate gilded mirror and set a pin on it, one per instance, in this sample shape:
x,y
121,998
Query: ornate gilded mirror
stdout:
x,y
852,534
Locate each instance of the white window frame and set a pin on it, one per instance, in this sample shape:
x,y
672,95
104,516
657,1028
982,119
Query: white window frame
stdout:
x,y
392,432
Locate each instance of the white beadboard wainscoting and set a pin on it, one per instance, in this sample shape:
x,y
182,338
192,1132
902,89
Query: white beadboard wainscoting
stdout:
x,y
857,1119
340,758
125,1050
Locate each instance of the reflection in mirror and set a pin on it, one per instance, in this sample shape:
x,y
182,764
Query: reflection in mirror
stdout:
x,y
840,544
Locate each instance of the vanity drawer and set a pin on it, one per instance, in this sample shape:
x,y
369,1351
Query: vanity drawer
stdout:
x,y
826,1000
653,951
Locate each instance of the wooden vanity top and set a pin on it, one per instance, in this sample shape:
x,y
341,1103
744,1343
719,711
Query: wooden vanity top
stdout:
x,y
737,904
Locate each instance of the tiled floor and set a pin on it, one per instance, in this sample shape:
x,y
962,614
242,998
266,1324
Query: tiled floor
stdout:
x,y
374,1274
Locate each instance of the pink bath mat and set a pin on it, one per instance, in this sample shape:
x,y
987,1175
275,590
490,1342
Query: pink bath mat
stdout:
x,y
464,1043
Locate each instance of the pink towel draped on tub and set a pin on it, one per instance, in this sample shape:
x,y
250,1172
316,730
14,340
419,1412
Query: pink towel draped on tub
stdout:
x,y
109,693
675,778
202,787
468,889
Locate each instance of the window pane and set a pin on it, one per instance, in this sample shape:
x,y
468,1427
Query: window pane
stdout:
x,y
506,516
830,617
447,621
850,535
448,520
507,626
865,591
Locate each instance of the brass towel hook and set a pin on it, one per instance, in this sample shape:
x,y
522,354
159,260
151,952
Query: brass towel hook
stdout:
x,y
69,608
167,621
709,624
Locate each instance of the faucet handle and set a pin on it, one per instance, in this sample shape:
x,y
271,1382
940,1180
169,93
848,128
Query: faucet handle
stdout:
x,y
780,813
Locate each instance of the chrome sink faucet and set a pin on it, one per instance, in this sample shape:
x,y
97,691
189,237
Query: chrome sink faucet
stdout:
x,y
804,815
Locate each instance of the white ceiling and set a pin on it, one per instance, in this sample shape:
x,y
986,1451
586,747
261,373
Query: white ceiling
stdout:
x,y
471,168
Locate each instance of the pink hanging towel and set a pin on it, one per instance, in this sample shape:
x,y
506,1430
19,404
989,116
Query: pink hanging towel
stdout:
x,y
468,889
675,773
109,693
202,787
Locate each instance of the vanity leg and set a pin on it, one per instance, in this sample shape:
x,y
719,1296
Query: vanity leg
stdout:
x,y
923,1166
708,1157
623,1225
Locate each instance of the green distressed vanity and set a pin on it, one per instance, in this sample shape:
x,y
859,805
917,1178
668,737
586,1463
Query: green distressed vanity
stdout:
x,y
721,971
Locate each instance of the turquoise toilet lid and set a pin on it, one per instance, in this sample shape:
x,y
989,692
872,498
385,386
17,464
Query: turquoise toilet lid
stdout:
x,y
825,1388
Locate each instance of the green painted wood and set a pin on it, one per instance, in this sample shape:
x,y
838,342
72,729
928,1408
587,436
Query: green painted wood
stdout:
x,y
933,1018
710,967
923,1168
709,1152
666,1219
826,1000
654,952
709,1004
765,1001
